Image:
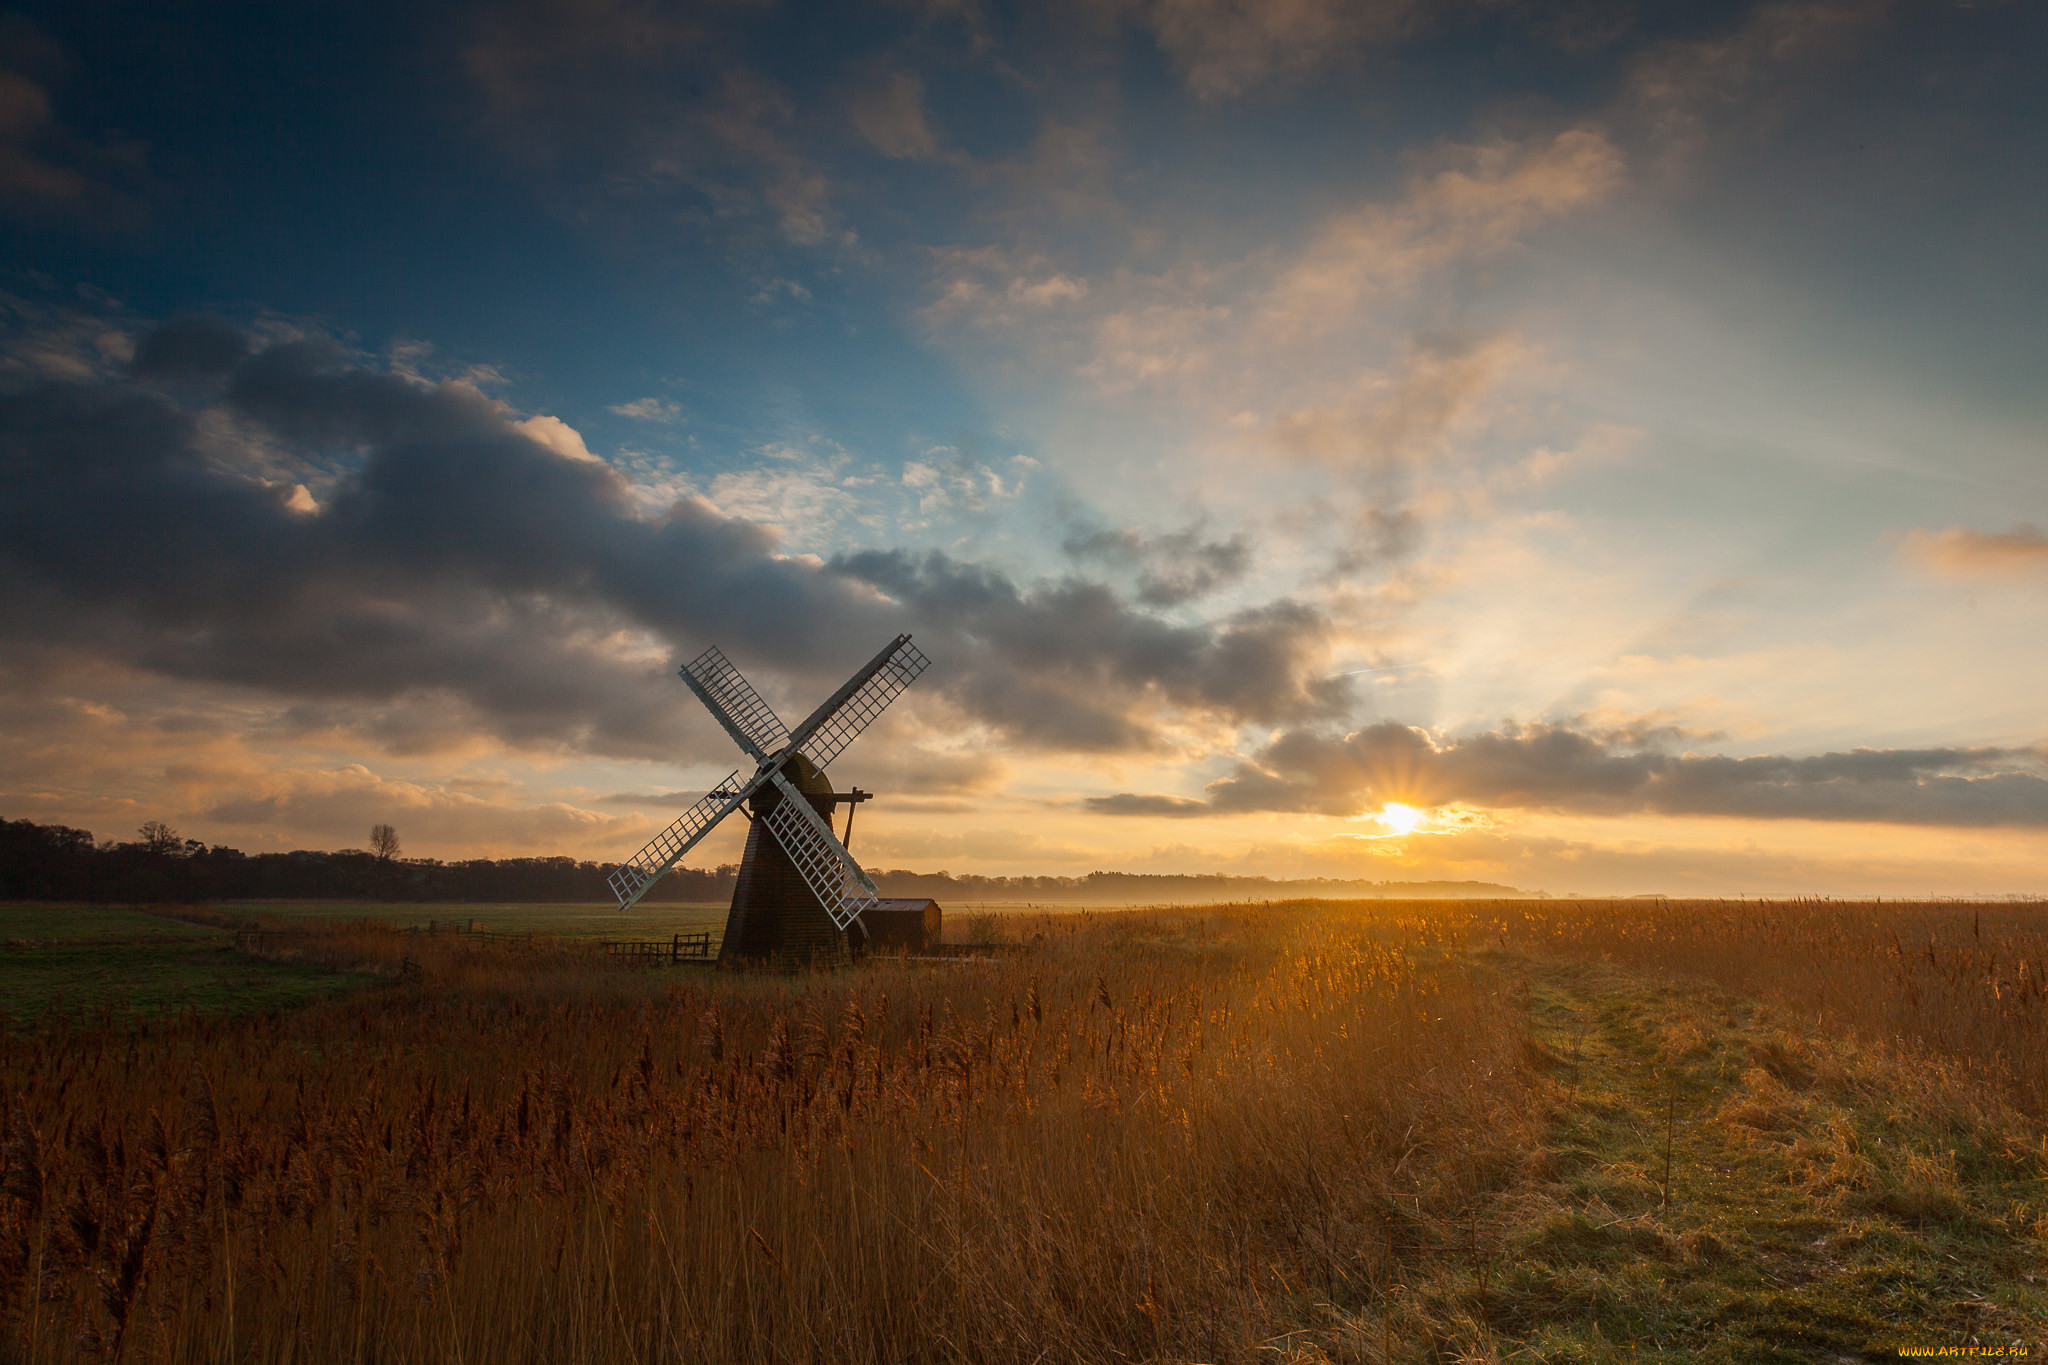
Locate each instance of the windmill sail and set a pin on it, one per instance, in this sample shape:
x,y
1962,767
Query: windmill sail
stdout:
x,y
727,694
825,865
792,857
645,868
839,720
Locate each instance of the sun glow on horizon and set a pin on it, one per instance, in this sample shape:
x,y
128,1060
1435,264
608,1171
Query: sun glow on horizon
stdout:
x,y
1401,819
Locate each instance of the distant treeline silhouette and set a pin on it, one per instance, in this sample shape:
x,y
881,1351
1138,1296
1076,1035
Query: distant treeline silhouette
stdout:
x,y
59,863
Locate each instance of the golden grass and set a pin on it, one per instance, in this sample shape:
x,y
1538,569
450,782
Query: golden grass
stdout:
x,y
1157,1136
1964,982
1297,1132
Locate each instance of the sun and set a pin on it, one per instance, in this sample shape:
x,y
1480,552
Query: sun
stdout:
x,y
1399,818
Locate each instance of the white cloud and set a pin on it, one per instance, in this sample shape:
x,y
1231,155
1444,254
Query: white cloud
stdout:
x,y
649,410
947,481
558,436
782,289
1485,201
1055,288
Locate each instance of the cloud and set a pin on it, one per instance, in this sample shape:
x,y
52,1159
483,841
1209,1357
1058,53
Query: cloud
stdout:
x,y
557,436
1067,663
1484,201
1226,47
537,54
196,346
891,116
1128,803
1407,414
1151,342
1173,568
455,555
648,410
779,289
929,770
26,178
464,571
1618,772
949,479
622,102
989,286
746,127
91,743
329,802
1680,93
47,170
1267,328
1962,553
799,495
653,800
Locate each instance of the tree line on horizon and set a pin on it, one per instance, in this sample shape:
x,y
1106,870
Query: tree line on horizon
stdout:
x,y
62,863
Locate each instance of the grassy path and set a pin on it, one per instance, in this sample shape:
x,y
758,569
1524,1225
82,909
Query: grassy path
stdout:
x,y
1823,1203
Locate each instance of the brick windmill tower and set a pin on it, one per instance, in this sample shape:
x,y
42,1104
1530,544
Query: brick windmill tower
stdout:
x,y
801,896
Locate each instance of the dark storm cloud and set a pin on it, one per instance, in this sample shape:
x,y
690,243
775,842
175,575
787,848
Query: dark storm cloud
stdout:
x,y
197,346
1173,568
1063,663
49,173
118,540
1130,803
1560,767
459,557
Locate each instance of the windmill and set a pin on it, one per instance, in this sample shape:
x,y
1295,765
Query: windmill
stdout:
x,y
799,890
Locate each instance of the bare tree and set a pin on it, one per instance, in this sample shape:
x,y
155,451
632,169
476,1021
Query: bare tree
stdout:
x,y
159,838
384,842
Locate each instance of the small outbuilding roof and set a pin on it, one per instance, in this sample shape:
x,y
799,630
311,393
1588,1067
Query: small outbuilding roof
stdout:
x,y
903,902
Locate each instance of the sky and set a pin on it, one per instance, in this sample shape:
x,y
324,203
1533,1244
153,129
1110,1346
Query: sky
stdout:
x,y
1594,447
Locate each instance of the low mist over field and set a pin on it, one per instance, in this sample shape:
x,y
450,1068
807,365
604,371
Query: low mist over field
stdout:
x,y
1586,447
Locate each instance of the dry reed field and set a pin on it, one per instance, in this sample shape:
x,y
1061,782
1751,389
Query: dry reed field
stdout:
x,y
1964,981
1301,1132
1154,1137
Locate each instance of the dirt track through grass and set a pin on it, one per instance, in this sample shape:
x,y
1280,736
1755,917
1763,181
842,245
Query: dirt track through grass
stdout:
x,y
1824,1203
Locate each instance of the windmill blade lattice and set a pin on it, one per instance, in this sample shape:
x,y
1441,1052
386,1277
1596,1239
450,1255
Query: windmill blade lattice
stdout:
x,y
821,862
727,694
827,868
646,867
837,723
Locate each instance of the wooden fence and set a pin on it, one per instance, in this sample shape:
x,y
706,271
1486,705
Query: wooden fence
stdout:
x,y
696,947
701,946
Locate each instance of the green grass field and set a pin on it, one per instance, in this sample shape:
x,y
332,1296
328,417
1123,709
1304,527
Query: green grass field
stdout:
x,y
72,958
588,920
31,925
598,920
80,959
75,958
